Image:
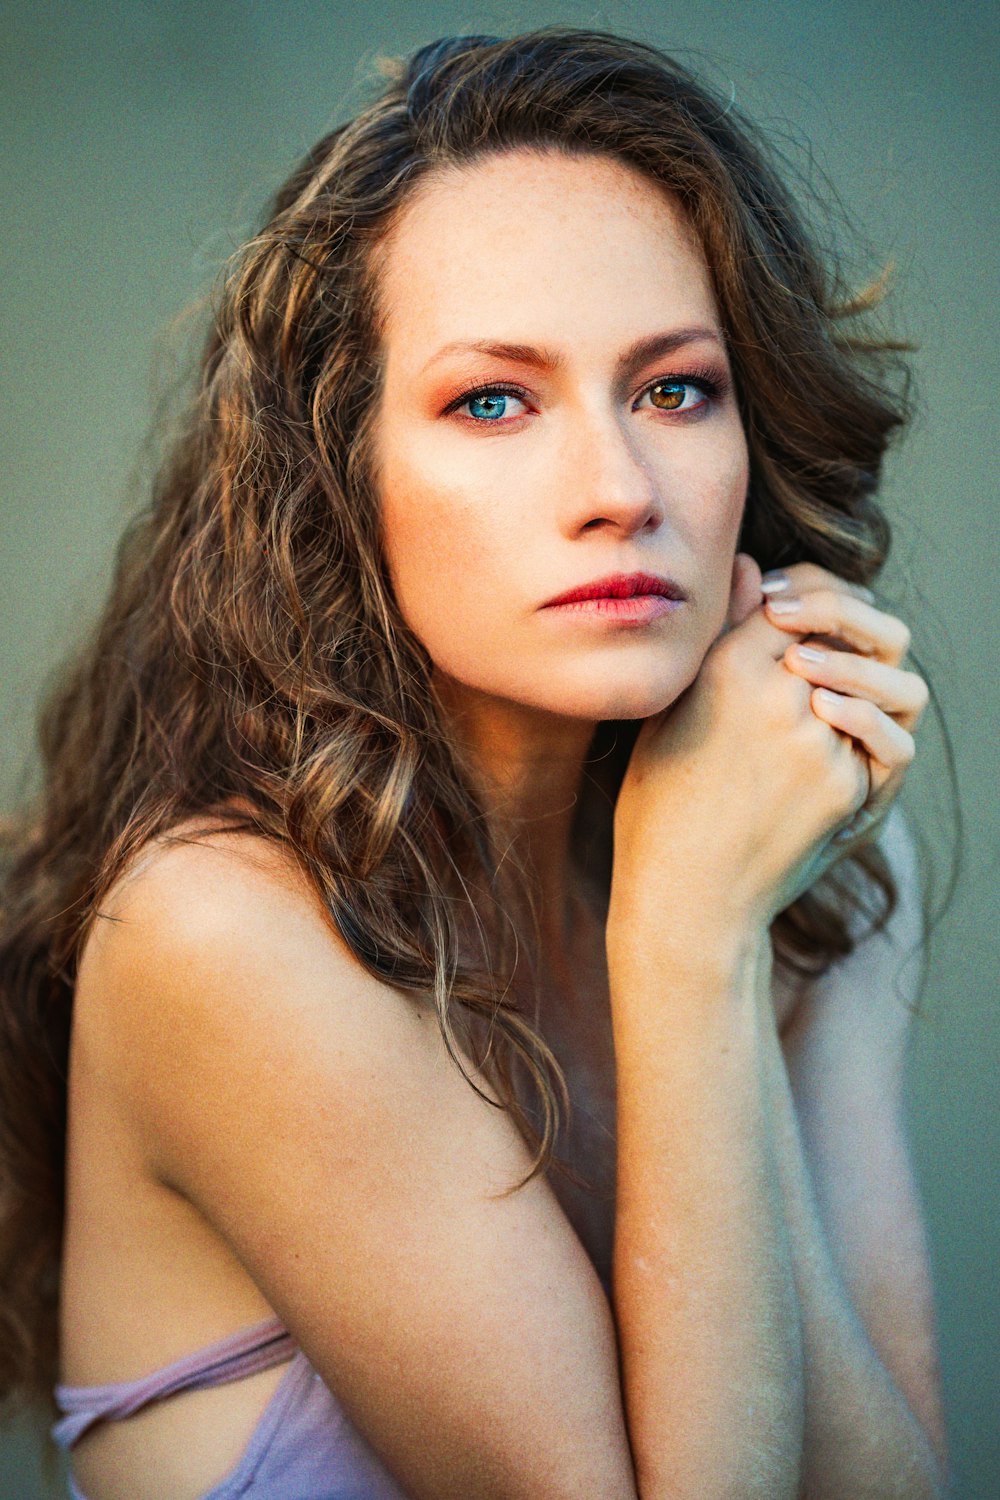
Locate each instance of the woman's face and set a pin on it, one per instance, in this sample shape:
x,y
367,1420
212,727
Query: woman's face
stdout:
x,y
556,410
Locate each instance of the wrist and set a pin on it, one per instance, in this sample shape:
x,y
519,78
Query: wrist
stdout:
x,y
729,948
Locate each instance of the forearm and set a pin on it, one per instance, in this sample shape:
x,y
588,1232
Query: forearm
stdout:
x,y
862,1441
704,1292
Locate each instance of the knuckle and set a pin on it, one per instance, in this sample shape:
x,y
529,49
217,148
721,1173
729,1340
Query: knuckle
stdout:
x,y
921,692
864,712
822,593
897,633
827,744
803,572
722,659
738,655
823,580
791,690
849,781
831,602
815,576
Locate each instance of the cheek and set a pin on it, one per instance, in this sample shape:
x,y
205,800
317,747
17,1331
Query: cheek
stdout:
x,y
444,560
734,482
714,504
714,537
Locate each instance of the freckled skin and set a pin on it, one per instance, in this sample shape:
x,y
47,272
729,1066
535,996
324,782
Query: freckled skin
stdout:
x,y
582,475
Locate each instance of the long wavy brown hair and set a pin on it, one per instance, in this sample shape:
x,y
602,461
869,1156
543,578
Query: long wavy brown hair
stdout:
x,y
251,651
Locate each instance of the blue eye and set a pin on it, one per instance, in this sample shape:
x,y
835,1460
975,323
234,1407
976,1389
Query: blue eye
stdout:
x,y
488,404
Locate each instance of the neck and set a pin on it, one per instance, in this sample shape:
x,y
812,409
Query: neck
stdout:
x,y
528,767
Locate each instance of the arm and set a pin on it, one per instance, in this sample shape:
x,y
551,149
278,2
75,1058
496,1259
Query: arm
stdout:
x,y
704,1294
874,1423
726,813
315,1120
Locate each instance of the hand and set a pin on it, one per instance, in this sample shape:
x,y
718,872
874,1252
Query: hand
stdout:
x,y
877,703
833,624
732,796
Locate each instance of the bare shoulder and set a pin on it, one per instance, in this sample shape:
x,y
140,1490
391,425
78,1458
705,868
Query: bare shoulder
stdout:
x,y
224,935
198,881
314,1117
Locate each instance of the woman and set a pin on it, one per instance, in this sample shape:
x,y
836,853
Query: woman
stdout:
x,y
447,797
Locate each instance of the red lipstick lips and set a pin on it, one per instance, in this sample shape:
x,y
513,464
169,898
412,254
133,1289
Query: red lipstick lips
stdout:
x,y
622,586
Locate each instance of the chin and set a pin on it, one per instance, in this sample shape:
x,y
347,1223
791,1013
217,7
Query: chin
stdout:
x,y
637,705
582,687
621,698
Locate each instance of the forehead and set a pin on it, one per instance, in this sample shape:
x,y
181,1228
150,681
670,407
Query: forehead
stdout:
x,y
530,243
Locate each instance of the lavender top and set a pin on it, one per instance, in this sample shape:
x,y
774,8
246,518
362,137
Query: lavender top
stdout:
x,y
303,1447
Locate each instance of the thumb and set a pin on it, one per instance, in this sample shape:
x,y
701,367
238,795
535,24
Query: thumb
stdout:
x,y
745,593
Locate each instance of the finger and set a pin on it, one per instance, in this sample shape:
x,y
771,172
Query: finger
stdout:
x,y
757,631
798,577
842,616
904,695
888,744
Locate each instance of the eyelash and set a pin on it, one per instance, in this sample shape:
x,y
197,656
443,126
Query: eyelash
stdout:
x,y
707,381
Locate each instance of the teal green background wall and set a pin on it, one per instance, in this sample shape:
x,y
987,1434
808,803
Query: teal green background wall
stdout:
x,y
140,140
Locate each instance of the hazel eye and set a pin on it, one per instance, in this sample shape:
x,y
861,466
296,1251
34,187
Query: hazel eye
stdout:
x,y
671,395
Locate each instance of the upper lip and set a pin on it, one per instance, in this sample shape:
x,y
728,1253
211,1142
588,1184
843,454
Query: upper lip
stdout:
x,y
621,586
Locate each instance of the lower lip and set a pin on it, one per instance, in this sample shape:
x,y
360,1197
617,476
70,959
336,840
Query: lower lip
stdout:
x,y
638,609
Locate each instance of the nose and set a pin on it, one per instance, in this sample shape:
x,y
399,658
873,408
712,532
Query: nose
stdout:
x,y
610,486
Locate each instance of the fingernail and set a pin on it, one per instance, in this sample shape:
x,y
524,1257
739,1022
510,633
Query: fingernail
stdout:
x,y
810,653
773,582
784,606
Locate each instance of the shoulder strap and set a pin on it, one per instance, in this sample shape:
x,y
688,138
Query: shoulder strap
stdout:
x,y
243,1353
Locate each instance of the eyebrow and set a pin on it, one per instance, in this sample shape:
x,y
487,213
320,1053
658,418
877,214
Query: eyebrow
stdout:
x,y
653,346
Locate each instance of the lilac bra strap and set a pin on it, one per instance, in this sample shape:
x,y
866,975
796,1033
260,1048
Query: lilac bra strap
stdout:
x,y
245,1352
